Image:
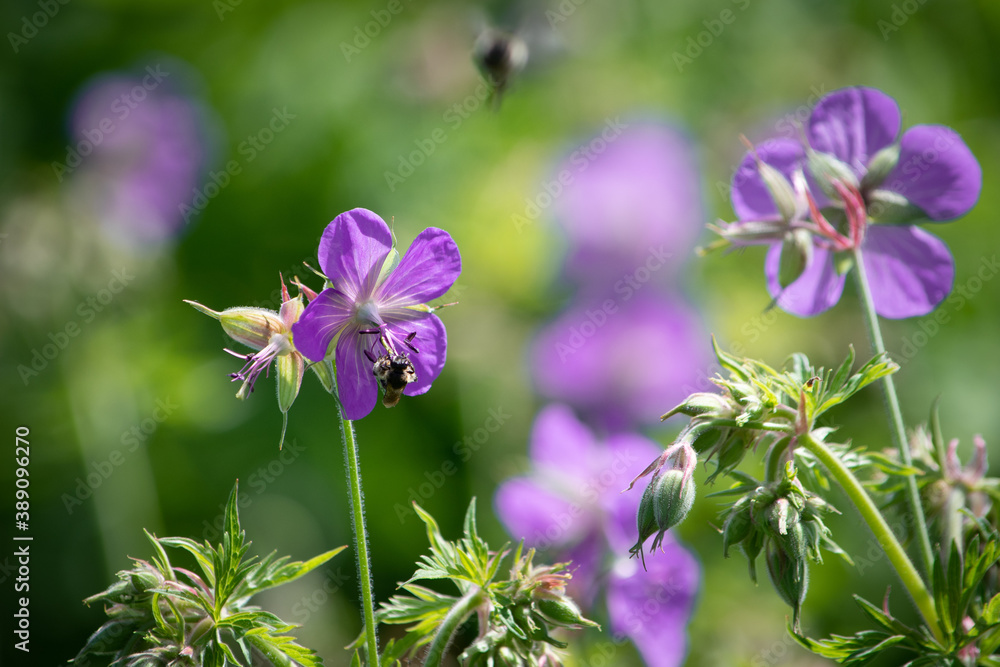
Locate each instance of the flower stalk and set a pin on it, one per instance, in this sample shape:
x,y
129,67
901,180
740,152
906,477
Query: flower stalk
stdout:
x,y
455,617
895,415
880,529
360,538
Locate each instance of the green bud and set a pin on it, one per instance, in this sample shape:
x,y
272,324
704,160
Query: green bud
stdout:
x,y
562,611
251,326
673,497
886,206
879,167
703,403
645,519
790,577
796,255
781,191
737,528
826,169
290,368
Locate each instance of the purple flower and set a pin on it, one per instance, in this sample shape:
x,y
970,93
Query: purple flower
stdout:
x,y
141,146
572,504
373,309
628,196
854,131
620,360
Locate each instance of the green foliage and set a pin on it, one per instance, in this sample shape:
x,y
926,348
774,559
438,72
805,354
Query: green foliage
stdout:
x,y
159,614
515,612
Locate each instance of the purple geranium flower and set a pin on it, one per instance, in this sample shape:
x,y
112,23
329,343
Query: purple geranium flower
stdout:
x,y
374,310
935,178
631,195
572,504
620,360
140,148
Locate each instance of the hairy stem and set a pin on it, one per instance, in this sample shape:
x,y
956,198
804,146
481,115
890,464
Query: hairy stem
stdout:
x,y
895,415
360,538
456,615
876,522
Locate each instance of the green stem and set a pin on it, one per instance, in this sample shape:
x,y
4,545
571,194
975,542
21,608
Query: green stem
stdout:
x,y
895,416
360,537
876,522
456,615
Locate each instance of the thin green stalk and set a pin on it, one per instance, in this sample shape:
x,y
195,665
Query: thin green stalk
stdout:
x,y
876,522
895,416
360,538
456,615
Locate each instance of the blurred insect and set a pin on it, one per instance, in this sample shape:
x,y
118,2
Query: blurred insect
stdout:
x,y
393,373
499,56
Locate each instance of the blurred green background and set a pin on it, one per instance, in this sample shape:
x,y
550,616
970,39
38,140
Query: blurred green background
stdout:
x,y
147,361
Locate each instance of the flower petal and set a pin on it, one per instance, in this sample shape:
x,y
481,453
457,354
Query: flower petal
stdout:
x,y
652,607
352,250
937,172
427,270
356,385
542,517
431,341
320,322
910,270
853,124
560,443
751,198
816,290
594,357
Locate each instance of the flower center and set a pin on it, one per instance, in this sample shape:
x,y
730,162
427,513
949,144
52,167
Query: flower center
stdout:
x,y
367,313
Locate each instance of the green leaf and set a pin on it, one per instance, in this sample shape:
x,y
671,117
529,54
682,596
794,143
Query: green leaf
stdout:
x,y
268,575
281,649
203,554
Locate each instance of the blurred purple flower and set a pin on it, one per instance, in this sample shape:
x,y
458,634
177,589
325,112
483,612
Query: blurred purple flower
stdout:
x,y
910,270
572,504
630,195
621,360
374,309
142,149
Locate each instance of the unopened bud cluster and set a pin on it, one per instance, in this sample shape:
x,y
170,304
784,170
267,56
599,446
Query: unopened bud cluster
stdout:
x,y
518,633
784,521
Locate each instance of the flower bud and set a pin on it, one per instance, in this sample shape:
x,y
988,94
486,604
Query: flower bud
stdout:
x,y
781,191
738,525
826,169
796,256
790,577
645,520
673,496
879,167
251,326
703,404
561,611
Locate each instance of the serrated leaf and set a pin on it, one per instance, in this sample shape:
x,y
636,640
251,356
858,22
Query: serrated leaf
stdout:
x,y
201,553
268,575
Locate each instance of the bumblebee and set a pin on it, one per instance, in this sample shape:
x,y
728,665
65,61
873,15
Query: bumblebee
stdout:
x,y
393,373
